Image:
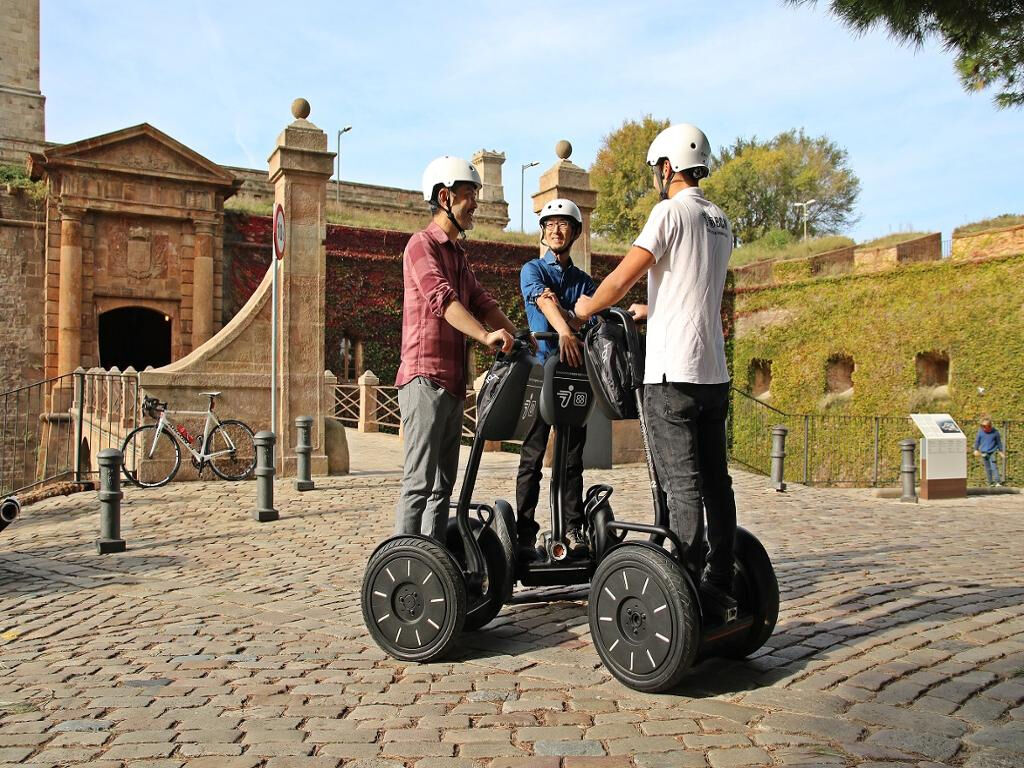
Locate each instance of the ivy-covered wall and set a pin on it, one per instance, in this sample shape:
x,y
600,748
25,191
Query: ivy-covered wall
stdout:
x,y
971,310
364,283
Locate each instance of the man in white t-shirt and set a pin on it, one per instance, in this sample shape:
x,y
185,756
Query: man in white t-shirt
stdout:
x,y
684,248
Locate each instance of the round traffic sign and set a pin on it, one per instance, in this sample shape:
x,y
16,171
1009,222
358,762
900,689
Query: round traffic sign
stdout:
x,y
279,231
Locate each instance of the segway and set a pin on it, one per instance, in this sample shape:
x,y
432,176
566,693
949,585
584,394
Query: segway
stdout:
x,y
418,595
645,610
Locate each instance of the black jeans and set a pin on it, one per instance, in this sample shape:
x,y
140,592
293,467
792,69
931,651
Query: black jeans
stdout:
x,y
686,426
531,461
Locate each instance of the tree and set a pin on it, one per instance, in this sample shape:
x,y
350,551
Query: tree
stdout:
x,y
623,180
987,36
756,183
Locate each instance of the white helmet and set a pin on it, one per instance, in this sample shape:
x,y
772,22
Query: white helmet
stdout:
x,y
561,207
686,148
447,171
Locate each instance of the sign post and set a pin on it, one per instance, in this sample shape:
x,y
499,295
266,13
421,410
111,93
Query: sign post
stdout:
x,y
943,456
279,243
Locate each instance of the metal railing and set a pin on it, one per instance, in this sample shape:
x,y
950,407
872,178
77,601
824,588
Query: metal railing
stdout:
x,y
388,417
346,404
52,430
382,411
749,425
469,417
836,449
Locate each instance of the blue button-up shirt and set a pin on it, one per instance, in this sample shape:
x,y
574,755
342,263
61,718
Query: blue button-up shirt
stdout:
x,y
567,284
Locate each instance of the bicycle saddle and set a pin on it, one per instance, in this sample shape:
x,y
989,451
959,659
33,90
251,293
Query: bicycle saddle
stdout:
x,y
210,394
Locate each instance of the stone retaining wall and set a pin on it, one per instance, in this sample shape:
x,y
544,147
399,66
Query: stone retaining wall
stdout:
x,y
839,262
994,242
927,248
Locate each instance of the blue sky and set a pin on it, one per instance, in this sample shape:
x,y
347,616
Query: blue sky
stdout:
x,y
416,80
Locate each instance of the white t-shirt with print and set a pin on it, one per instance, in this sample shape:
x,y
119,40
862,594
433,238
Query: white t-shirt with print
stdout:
x,y
691,241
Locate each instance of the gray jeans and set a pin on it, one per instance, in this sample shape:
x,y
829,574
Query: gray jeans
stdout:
x,y
432,428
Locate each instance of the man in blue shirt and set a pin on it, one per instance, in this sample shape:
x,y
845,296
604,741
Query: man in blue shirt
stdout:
x,y
988,444
551,286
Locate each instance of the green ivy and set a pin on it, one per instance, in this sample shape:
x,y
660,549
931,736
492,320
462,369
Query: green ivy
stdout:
x,y
17,177
973,311
792,270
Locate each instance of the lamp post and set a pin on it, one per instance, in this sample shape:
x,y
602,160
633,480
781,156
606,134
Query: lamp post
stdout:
x,y
804,206
522,177
337,185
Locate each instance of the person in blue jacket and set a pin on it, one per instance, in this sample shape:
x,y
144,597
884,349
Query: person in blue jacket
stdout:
x,y
988,444
550,286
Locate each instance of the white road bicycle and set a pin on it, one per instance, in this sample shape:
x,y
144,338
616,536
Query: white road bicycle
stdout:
x,y
151,454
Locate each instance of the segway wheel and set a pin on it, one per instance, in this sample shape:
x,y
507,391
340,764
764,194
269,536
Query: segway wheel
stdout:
x,y
414,599
644,617
756,590
482,609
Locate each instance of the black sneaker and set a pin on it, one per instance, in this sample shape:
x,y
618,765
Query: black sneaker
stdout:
x,y
527,537
577,542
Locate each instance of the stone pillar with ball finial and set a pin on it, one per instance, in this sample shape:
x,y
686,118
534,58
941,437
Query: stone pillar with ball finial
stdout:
x,y
300,166
566,179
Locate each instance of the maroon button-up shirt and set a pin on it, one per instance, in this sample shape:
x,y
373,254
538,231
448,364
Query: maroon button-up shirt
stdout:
x,y
436,272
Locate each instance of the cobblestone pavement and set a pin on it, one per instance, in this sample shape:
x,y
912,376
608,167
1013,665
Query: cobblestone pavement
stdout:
x,y
218,641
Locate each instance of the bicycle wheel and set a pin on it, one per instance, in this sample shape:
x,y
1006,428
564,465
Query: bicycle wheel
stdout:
x,y
231,450
149,459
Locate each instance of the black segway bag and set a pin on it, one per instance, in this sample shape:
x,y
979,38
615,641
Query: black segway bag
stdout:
x,y
507,404
566,397
615,368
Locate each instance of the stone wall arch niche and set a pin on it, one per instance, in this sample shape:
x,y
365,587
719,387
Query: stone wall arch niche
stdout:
x,y
839,371
136,332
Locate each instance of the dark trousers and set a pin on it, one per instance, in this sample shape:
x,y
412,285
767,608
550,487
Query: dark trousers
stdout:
x,y
686,426
531,460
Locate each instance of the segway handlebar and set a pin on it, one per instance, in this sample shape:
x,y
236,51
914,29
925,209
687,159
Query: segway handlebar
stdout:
x,y
522,339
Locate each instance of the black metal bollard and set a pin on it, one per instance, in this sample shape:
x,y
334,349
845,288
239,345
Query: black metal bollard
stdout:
x,y
908,470
10,508
303,450
110,502
779,458
265,511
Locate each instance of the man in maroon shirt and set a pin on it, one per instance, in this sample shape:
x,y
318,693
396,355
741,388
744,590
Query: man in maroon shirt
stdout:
x,y
443,305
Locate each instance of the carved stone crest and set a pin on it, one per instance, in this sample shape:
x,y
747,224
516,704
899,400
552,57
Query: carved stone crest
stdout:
x,y
140,253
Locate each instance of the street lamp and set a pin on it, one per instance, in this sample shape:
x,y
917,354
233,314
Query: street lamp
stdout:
x,y
337,186
804,206
522,176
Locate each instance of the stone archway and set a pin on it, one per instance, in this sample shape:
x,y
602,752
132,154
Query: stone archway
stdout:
x,y
134,218
135,336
